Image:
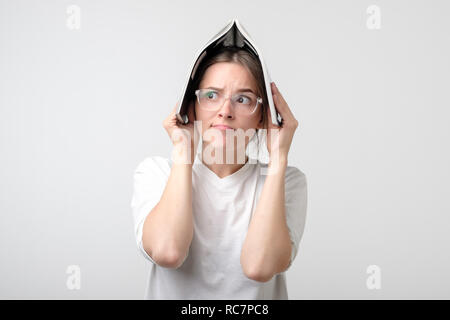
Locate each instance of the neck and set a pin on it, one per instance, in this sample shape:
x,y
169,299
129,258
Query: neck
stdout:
x,y
220,165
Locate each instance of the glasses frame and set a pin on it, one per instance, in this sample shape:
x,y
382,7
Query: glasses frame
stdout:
x,y
258,100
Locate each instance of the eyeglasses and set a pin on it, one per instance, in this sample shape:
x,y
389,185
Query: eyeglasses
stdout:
x,y
243,103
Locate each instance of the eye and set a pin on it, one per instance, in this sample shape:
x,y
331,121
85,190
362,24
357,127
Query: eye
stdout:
x,y
243,99
210,95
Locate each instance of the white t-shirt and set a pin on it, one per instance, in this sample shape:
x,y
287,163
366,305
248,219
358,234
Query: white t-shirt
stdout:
x,y
222,210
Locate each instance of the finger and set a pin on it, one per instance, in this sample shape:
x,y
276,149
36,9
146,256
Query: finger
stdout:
x,y
172,113
281,104
170,119
269,116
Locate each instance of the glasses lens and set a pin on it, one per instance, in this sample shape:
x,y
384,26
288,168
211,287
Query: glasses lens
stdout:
x,y
243,103
209,98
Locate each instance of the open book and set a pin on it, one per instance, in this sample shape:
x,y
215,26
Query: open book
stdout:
x,y
232,35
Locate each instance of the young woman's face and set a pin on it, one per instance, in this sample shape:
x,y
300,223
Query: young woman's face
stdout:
x,y
230,78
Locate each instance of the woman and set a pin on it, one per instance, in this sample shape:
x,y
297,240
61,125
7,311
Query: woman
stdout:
x,y
221,229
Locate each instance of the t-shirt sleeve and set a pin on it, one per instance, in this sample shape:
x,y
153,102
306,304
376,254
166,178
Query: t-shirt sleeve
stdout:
x,y
149,181
295,204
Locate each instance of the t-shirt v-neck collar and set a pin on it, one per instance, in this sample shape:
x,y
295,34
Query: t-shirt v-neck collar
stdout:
x,y
206,172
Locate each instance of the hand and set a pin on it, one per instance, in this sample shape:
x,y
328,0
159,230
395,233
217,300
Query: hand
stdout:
x,y
281,136
182,135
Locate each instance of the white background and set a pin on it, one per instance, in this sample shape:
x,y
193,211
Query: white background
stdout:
x,y
80,109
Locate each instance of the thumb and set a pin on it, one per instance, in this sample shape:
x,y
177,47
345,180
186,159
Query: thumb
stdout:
x,y
175,107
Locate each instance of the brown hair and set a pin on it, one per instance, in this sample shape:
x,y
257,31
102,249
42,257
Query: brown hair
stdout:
x,y
247,60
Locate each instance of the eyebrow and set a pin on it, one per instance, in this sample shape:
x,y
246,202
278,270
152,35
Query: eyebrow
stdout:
x,y
240,90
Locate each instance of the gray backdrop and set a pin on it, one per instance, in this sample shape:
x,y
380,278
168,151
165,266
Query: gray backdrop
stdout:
x,y
81,107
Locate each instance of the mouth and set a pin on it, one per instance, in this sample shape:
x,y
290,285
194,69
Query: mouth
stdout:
x,y
222,127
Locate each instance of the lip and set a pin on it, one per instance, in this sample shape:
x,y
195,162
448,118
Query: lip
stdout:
x,y
222,127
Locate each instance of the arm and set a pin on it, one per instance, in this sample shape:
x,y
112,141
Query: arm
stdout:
x,y
168,228
267,247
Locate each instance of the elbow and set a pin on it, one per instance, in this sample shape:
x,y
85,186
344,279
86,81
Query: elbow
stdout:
x,y
256,274
171,259
168,258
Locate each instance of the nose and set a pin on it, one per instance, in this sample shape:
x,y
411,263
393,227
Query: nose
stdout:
x,y
227,110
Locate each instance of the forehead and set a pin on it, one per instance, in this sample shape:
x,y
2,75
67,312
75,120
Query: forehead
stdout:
x,y
228,75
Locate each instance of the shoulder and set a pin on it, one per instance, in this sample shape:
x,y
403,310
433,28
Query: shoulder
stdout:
x,y
154,164
293,175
